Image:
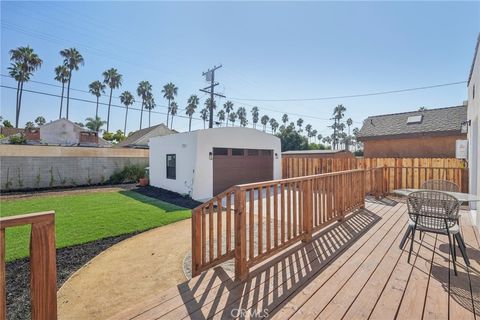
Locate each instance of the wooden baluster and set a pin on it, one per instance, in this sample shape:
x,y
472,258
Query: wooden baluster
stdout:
x,y
3,284
282,218
43,270
260,220
275,215
210,231
269,222
196,242
219,227
289,210
251,224
241,269
204,236
307,211
229,221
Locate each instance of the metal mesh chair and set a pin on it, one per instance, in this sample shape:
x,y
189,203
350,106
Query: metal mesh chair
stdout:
x,y
437,212
441,185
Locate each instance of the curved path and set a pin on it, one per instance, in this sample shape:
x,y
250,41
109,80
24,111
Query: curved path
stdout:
x,y
126,273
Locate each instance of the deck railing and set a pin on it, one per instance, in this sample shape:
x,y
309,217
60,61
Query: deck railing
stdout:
x,y
43,271
269,216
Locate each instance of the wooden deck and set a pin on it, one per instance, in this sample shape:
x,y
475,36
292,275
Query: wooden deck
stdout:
x,y
350,270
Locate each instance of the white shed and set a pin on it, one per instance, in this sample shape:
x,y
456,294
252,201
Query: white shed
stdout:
x,y
204,163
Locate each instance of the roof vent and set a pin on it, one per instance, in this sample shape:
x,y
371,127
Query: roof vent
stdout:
x,y
414,119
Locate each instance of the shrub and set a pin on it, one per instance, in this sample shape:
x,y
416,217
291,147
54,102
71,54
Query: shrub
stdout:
x,y
130,173
18,139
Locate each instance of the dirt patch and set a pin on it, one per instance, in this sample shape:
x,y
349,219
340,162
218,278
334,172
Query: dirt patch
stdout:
x,y
168,196
69,260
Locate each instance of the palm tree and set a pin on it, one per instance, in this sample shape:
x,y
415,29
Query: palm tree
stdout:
x,y
94,124
61,75
192,104
327,140
221,116
143,91
299,124
349,123
264,121
242,116
25,62
204,116
169,92
232,117
319,137
314,135
285,119
72,59
274,125
228,106
40,121
308,129
127,99
255,113
113,79
150,105
97,89
338,114
173,111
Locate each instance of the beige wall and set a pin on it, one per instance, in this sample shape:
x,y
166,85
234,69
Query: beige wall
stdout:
x,y
416,147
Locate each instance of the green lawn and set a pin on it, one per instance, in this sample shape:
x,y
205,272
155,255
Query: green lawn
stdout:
x,y
86,217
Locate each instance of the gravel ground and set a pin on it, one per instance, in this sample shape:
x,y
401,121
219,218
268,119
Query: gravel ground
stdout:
x,y
168,196
69,260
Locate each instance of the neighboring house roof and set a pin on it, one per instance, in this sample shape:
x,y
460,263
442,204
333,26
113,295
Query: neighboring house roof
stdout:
x,y
7,132
426,122
140,138
314,151
474,58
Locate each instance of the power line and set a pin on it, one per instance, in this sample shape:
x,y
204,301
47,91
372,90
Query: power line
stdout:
x,y
93,102
353,95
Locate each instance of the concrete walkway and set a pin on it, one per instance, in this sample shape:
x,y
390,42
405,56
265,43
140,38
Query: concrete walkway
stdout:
x,y
127,273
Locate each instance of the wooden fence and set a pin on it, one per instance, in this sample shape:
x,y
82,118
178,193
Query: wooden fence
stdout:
x,y
269,216
43,269
403,172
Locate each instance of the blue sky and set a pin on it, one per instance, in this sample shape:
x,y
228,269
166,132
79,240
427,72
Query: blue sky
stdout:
x,y
269,50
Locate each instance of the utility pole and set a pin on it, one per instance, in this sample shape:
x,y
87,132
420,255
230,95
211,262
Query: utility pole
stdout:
x,y
210,76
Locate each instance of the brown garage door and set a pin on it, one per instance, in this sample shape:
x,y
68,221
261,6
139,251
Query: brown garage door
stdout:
x,y
237,166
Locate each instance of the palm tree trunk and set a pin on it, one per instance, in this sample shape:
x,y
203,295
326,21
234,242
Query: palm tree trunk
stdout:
x,y
168,111
19,104
125,126
61,100
149,114
228,115
16,105
141,115
68,92
96,110
109,104
171,125
189,123
203,124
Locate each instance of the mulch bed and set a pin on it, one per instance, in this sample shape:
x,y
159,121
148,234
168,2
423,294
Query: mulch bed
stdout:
x,y
69,260
168,196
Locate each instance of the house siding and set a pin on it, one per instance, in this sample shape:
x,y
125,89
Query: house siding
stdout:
x,y
414,147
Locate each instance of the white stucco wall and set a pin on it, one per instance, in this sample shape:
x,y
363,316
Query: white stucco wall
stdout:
x,y
60,132
194,168
473,114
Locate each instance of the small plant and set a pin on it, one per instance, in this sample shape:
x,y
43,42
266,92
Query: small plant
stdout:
x,y
63,181
17,139
72,182
37,179
9,183
19,178
52,178
130,173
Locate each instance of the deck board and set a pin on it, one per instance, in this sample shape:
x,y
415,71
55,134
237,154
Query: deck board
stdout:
x,y
351,270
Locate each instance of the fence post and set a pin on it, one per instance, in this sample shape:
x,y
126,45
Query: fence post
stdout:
x,y
307,211
363,187
241,270
43,274
196,241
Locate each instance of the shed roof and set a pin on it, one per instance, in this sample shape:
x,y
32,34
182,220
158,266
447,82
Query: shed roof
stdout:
x,y
140,137
433,121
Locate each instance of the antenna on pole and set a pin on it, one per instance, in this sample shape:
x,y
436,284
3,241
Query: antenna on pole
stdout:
x,y
210,77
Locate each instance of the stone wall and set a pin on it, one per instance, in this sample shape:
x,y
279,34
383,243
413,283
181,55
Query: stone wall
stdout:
x,y
34,167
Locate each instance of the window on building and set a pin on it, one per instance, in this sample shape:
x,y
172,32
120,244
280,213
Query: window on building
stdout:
x,y
237,152
220,151
171,166
266,152
252,152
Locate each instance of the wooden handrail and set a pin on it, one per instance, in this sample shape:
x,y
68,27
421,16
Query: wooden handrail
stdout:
x,y
43,270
